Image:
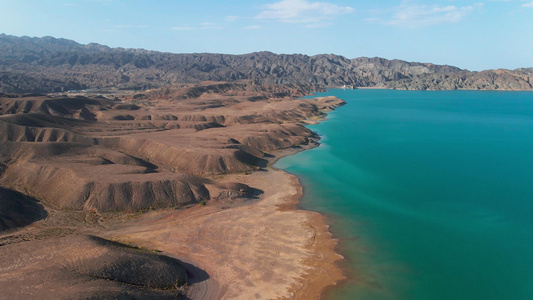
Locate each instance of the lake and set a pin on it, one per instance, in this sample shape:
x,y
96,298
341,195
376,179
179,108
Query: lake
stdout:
x,y
429,192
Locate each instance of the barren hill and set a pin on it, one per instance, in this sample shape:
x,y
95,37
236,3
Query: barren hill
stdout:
x,y
72,168
54,65
87,267
105,155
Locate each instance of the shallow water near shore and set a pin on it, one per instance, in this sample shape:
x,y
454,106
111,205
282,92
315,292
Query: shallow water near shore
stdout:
x,y
429,192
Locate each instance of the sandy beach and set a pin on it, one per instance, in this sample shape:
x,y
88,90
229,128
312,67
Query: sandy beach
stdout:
x,y
267,249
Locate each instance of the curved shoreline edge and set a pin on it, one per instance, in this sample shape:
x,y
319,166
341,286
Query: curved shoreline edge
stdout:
x,y
268,249
259,245
265,249
323,270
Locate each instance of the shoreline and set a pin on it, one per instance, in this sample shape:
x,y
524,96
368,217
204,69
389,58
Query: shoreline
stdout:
x,y
261,244
267,249
315,284
321,276
256,244
325,244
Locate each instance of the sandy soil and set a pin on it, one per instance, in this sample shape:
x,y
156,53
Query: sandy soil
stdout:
x,y
155,175
263,250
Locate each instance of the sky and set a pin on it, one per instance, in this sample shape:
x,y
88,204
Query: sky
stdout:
x,y
474,35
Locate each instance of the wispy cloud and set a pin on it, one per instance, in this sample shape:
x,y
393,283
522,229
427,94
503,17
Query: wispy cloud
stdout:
x,y
318,25
131,26
231,18
202,26
415,16
530,4
302,11
252,27
183,28
209,25
105,2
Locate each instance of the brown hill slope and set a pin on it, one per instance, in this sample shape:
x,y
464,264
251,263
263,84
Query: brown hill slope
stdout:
x,y
73,168
87,267
96,154
18,210
519,79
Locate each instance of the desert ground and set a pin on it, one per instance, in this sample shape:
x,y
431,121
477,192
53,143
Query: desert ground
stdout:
x,y
99,191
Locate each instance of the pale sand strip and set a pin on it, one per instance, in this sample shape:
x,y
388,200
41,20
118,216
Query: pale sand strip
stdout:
x,y
264,250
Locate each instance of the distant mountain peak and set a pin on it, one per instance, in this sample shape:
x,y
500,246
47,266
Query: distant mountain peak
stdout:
x,y
31,64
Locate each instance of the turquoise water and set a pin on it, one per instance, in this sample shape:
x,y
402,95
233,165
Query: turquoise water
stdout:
x,y
429,192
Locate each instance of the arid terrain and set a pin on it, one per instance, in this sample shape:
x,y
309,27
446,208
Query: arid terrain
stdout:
x,y
99,191
115,163
43,65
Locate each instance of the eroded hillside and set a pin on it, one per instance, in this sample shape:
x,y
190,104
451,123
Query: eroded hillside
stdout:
x,y
73,167
106,155
56,65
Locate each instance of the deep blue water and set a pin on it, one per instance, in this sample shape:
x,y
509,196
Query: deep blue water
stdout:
x,y
429,192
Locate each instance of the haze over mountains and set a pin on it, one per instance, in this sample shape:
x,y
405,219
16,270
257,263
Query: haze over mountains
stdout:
x,y
29,65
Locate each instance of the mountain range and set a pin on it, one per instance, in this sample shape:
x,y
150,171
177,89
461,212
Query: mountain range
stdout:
x,y
47,64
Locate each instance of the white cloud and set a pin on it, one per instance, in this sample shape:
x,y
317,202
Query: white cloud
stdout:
x,y
131,26
202,26
302,11
530,4
209,25
318,25
183,28
105,2
231,18
252,27
415,16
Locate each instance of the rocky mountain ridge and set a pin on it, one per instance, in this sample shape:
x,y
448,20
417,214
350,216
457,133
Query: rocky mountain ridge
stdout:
x,y
54,65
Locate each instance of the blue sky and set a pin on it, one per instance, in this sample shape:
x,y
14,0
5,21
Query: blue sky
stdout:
x,y
475,35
